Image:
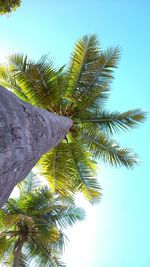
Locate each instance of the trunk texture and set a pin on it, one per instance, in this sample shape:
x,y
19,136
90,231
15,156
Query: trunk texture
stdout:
x,y
17,252
26,133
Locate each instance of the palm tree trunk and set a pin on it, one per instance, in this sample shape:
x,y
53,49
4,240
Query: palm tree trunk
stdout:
x,y
26,133
17,252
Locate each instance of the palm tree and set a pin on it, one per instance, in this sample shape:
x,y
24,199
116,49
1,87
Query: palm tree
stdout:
x,y
31,226
78,91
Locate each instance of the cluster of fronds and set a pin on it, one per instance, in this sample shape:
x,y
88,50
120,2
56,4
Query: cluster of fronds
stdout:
x,y
78,91
7,6
37,217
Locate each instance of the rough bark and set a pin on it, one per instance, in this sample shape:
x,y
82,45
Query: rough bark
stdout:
x,y
17,252
26,133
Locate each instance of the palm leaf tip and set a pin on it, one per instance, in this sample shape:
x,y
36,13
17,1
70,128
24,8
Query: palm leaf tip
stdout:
x,y
70,215
106,149
108,61
129,119
113,122
85,51
139,115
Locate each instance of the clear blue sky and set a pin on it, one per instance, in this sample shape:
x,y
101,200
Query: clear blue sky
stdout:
x,y
117,231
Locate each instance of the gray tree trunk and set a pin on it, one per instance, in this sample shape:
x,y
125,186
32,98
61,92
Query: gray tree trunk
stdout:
x,y
26,133
17,252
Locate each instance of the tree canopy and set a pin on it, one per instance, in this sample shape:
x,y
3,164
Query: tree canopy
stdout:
x,y
32,226
78,91
7,6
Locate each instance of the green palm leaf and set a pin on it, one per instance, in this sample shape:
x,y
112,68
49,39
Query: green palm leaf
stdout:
x,y
113,122
108,151
69,215
37,81
8,80
56,166
69,169
29,184
85,51
18,63
95,73
85,172
5,244
43,256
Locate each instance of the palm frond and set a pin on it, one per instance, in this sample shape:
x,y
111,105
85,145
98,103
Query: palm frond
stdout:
x,y
96,79
2,218
5,244
108,151
84,168
63,241
91,73
107,62
18,63
43,256
112,122
38,81
7,79
29,184
23,260
35,202
69,215
56,167
11,206
68,167
85,51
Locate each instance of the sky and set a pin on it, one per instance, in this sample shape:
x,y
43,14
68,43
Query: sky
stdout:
x,y
116,232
